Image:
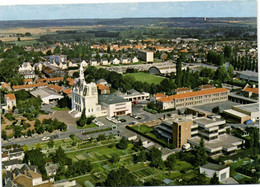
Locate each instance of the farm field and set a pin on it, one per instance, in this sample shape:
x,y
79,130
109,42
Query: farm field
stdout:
x,y
146,77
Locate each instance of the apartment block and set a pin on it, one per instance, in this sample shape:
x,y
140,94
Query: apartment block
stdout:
x,y
146,56
176,130
193,98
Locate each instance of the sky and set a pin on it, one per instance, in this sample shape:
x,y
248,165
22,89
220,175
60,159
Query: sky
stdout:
x,y
185,8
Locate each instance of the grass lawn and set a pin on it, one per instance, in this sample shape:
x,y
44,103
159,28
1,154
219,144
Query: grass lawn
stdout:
x,y
146,77
92,125
143,128
60,109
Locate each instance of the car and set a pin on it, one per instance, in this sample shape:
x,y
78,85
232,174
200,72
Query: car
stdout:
x,y
122,120
133,123
45,138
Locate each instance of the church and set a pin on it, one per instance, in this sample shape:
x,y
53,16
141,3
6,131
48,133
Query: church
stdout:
x,y
85,96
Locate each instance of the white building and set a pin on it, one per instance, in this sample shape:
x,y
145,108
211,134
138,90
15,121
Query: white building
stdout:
x,y
115,105
222,171
26,66
85,97
10,101
93,62
146,56
46,95
37,66
135,60
84,64
115,61
72,64
124,60
104,61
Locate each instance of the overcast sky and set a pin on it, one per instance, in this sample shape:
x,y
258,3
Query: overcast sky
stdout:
x,y
224,8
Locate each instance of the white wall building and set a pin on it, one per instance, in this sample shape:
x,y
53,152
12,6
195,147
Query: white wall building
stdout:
x,y
85,97
147,56
26,66
46,95
10,101
222,172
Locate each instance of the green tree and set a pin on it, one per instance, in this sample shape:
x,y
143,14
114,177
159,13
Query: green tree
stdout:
x,y
170,162
227,52
3,134
50,143
38,146
214,179
201,154
155,156
57,50
120,177
114,158
25,148
123,143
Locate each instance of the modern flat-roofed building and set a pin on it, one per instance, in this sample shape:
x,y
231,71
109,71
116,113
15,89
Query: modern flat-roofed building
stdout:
x,y
146,56
176,130
46,95
248,75
213,132
193,98
115,105
222,171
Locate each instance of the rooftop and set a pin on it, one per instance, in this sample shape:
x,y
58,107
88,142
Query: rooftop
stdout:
x,y
205,120
10,96
236,113
249,89
249,107
249,73
44,92
215,167
111,99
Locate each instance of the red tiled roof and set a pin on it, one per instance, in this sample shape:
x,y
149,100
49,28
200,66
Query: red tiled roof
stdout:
x,y
182,89
6,85
192,94
184,51
68,91
159,95
50,79
55,87
253,90
29,86
71,81
102,87
207,86
27,80
10,96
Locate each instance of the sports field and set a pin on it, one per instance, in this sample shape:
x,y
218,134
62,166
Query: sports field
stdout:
x,y
146,77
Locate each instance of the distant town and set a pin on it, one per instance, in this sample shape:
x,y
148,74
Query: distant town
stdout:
x,y
96,107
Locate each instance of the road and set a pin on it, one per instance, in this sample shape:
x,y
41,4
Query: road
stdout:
x,y
72,129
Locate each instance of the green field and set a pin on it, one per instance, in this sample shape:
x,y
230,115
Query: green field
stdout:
x,y
60,109
146,77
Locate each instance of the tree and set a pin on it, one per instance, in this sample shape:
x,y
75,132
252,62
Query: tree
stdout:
x,y
214,179
114,158
38,146
155,156
170,162
227,52
25,148
178,72
153,182
141,157
120,177
50,143
56,50
122,143
201,154
3,134
83,119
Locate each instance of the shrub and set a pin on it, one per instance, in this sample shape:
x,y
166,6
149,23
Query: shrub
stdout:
x,y
9,116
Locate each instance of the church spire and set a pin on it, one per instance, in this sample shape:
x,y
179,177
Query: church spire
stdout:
x,y
81,72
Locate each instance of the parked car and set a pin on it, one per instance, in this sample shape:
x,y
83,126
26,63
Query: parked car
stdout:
x,y
122,120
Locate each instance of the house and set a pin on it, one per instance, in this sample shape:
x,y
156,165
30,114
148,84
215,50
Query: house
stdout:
x,y
84,64
26,66
37,66
68,92
124,60
102,89
115,61
52,71
57,59
135,96
134,60
26,175
102,81
10,101
55,87
222,171
6,86
72,64
250,91
29,86
182,90
93,62
104,61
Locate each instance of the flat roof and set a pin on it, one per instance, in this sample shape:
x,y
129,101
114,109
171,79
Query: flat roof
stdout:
x,y
243,97
111,99
215,167
249,73
235,113
254,107
224,140
44,92
205,120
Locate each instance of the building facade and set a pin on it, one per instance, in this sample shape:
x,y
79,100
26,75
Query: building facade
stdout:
x,y
84,97
146,56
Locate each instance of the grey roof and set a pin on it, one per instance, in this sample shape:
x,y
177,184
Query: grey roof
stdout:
x,y
248,73
12,162
111,99
44,92
215,167
249,107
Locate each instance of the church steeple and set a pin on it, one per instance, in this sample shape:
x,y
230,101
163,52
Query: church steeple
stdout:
x,y
81,72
